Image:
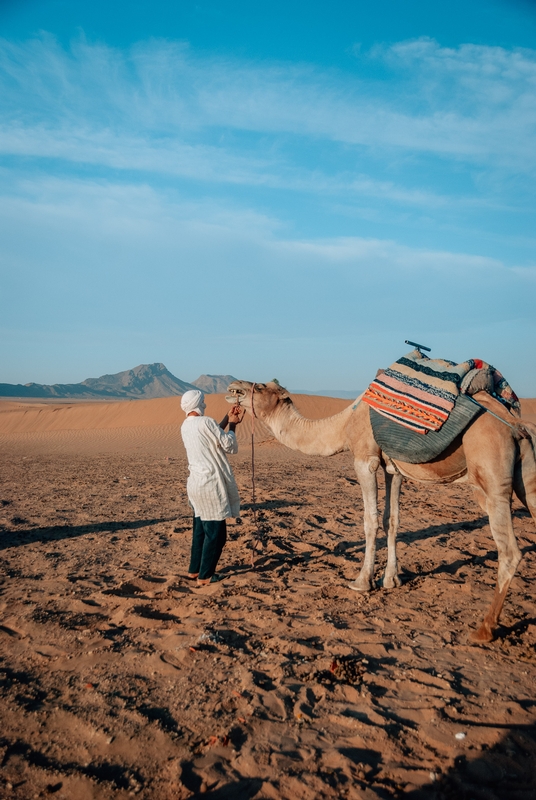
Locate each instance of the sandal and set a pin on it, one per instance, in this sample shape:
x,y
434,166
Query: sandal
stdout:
x,y
214,579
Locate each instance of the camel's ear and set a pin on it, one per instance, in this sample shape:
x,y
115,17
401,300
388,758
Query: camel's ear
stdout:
x,y
281,391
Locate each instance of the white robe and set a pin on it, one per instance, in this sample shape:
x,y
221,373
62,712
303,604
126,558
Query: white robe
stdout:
x,y
211,487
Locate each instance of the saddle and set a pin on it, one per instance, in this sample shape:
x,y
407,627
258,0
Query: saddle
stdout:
x,y
403,444
419,405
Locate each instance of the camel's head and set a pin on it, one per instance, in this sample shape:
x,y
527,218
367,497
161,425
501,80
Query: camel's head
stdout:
x,y
266,396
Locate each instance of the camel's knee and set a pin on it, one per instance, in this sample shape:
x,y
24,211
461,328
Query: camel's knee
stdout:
x,y
507,549
373,464
508,564
481,498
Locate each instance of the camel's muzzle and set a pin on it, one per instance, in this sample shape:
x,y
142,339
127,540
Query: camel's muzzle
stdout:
x,y
235,394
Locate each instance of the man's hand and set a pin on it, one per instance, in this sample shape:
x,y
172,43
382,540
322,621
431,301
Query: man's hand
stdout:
x,y
236,415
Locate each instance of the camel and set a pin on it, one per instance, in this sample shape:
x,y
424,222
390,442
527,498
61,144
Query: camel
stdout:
x,y
496,459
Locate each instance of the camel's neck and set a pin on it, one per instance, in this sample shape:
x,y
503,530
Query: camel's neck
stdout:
x,y
316,437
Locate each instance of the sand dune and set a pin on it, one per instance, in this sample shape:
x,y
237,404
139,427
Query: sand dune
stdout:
x,y
151,426
66,425
45,417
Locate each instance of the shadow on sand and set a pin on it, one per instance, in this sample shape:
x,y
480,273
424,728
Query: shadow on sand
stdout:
x,y
506,771
442,529
54,533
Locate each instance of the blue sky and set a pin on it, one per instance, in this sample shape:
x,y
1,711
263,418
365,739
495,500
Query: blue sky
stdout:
x,y
270,189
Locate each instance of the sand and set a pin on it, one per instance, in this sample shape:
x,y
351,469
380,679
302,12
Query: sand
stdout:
x,y
120,679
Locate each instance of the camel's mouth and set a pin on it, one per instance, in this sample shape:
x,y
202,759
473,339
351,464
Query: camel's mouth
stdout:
x,y
236,394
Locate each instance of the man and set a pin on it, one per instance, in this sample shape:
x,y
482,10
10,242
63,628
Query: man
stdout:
x,y
211,486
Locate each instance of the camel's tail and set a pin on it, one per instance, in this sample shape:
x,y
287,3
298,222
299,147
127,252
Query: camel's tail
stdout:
x,y
525,470
527,430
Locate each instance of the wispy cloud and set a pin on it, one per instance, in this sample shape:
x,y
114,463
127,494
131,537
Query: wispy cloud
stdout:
x,y
161,108
204,162
75,219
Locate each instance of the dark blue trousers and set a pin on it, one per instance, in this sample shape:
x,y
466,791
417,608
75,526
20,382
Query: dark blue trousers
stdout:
x,y
208,541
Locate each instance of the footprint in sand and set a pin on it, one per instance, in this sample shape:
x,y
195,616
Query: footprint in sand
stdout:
x,y
126,589
153,579
154,614
49,651
12,632
178,659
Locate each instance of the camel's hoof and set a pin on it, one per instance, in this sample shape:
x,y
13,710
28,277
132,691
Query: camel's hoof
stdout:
x,y
392,582
482,636
360,586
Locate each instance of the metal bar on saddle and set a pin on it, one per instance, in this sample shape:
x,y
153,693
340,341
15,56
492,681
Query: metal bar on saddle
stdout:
x,y
419,347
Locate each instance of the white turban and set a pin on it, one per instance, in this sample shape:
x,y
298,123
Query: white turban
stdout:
x,y
193,400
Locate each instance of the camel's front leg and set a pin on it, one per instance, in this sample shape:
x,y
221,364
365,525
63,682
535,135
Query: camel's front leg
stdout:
x,y
393,482
366,475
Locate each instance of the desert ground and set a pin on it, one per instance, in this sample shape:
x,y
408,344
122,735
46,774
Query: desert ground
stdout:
x,y
122,679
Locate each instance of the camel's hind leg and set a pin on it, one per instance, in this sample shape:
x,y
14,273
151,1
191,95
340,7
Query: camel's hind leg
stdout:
x,y
493,478
393,482
366,475
500,520
525,476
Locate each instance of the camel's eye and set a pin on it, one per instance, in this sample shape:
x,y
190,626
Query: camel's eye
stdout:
x,y
259,387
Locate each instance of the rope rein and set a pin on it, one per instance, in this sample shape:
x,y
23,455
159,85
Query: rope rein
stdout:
x,y
257,536
485,408
253,499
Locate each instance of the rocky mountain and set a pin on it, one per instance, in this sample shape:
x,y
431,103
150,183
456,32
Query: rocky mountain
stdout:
x,y
213,384
145,381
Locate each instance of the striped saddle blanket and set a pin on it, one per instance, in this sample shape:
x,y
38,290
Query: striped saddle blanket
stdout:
x,y
420,392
